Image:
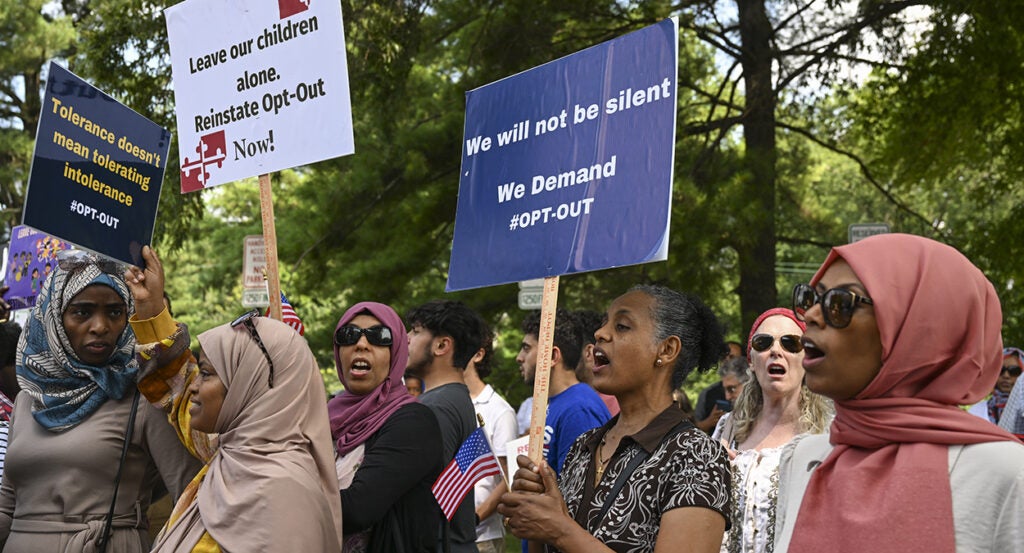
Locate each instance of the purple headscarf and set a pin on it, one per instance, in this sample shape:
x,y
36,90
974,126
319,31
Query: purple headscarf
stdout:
x,y
355,418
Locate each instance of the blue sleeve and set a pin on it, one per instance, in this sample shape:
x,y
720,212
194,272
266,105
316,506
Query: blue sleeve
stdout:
x,y
572,424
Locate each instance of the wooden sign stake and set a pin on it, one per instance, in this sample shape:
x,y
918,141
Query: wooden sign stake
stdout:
x,y
270,241
542,377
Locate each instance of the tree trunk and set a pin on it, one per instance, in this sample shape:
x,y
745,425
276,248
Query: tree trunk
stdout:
x,y
756,252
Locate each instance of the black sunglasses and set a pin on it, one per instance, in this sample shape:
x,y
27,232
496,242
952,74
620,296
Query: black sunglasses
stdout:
x,y
764,342
348,335
1013,371
246,321
837,304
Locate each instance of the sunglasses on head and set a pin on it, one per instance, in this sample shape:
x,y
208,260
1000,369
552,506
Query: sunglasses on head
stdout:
x,y
69,260
837,304
1013,371
246,320
764,342
348,335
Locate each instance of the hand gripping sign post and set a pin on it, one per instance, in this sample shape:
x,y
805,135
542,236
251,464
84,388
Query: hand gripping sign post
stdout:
x,y
567,168
259,86
102,161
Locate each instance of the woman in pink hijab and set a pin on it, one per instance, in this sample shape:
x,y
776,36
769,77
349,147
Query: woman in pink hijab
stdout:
x,y
901,330
388,446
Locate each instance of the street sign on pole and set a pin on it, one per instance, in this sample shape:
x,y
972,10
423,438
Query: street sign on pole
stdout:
x,y
531,292
254,266
860,231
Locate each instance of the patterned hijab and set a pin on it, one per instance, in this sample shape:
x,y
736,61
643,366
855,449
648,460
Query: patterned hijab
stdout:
x,y
997,403
64,390
355,418
272,484
940,322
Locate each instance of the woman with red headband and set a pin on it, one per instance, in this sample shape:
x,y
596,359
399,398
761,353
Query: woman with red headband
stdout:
x,y
901,330
773,408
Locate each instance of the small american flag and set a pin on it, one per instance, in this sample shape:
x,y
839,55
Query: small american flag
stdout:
x,y
289,316
473,461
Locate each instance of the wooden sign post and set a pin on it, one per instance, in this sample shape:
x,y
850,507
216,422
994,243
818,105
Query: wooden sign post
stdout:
x,y
542,377
270,241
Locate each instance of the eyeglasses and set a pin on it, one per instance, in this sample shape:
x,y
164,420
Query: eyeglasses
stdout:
x,y
69,260
764,342
348,335
1012,371
837,305
246,320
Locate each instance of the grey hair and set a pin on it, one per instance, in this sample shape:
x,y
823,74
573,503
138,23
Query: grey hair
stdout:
x,y
737,366
686,317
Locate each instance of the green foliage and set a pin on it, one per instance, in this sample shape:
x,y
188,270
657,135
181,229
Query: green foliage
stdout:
x,y
28,39
928,143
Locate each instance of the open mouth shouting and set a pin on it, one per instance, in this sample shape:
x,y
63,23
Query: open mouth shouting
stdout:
x,y
359,368
777,370
812,354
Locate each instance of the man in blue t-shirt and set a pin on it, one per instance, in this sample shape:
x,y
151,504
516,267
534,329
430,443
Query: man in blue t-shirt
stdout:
x,y
573,407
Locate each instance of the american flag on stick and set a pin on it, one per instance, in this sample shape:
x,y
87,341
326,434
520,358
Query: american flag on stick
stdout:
x,y
289,316
473,461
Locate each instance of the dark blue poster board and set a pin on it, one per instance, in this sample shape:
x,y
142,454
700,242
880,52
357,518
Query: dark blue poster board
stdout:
x,y
97,170
31,258
567,167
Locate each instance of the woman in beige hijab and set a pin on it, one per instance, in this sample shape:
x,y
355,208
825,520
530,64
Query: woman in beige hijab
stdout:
x,y
269,483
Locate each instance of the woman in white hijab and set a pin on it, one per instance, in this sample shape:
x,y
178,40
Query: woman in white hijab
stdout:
x,y
269,484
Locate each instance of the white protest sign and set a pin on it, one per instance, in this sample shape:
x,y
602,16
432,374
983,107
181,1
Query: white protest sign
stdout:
x,y
513,449
254,264
259,86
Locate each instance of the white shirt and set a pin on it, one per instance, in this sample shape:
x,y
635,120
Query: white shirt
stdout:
x,y
500,428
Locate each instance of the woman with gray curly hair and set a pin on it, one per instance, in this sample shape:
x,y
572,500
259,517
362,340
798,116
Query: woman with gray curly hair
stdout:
x,y
773,408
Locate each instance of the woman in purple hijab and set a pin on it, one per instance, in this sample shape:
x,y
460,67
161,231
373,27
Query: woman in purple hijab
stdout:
x,y
388,446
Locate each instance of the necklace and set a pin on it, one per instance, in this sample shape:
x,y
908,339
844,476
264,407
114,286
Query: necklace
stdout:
x,y
601,463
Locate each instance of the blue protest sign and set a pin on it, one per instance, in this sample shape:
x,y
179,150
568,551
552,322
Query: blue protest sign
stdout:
x,y
31,257
97,170
567,167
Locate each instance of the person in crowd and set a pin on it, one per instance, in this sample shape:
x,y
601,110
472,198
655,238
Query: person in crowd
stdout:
x,y
716,400
444,335
160,510
647,480
78,426
573,407
499,422
524,414
682,401
269,482
901,330
413,384
772,409
388,445
991,409
10,332
589,321
1013,416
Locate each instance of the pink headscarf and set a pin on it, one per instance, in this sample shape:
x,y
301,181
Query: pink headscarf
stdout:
x,y
780,311
273,485
886,482
355,418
